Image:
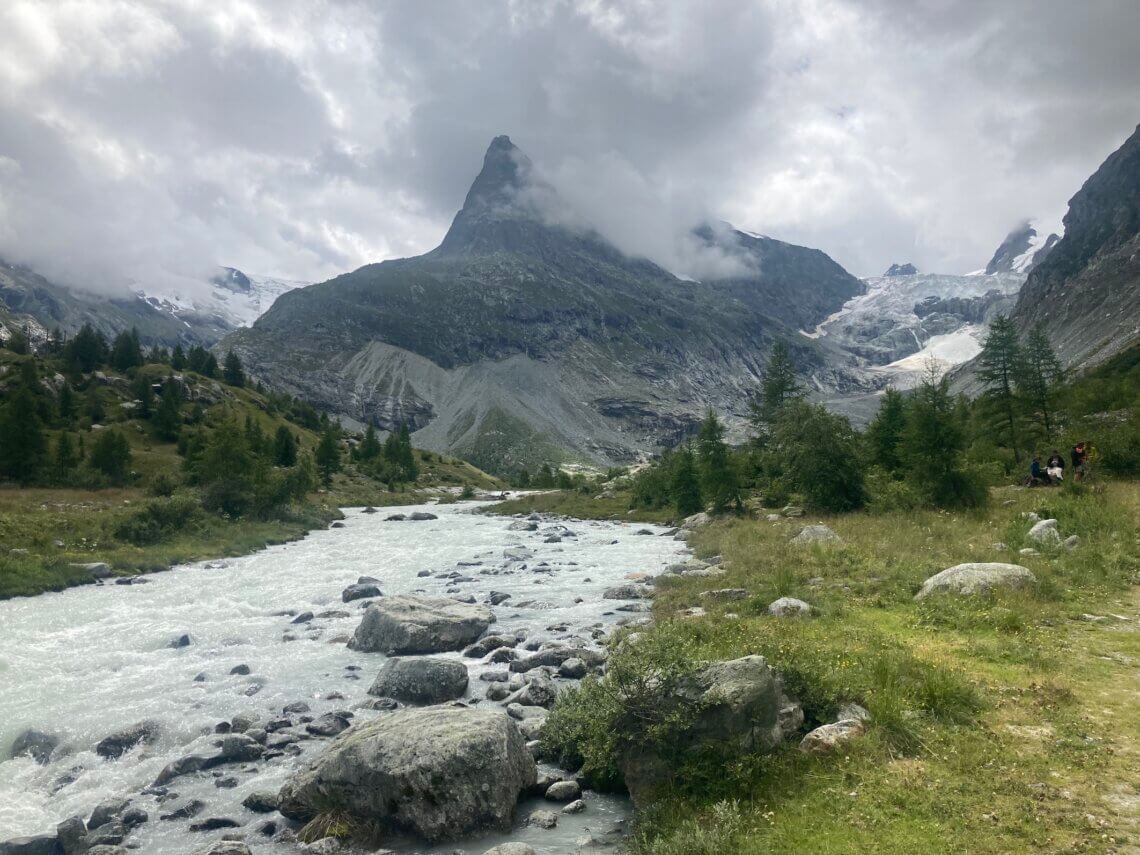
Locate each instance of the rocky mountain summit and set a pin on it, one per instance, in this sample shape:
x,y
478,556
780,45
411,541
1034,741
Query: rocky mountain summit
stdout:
x,y
1087,292
1021,251
527,336
907,269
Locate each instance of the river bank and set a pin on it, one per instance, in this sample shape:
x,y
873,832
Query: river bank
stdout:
x,y
255,659
999,722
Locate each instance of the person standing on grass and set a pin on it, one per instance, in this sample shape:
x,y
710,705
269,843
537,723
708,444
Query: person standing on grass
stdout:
x,y
1080,458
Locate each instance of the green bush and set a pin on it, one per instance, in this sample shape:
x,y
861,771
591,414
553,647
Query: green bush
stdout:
x,y
890,494
160,520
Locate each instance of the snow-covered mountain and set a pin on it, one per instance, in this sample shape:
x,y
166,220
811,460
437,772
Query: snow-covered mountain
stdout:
x,y
233,299
1022,250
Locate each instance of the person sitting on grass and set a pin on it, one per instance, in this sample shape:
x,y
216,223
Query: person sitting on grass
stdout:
x,y
1038,477
1055,466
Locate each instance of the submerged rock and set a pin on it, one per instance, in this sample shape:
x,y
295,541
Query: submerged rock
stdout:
x,y
439,772
360,591
421,681
35,744
976,578
119,743
404,624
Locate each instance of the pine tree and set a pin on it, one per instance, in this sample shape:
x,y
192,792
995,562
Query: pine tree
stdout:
x,y
778,387
232,373
225,467
284,447
933,443
884,434
407,459
86,351
167,420
94,405
126,352
369,447
23,446
17,342
328,456
178,358
998,366
66,457
1039,374
821,457
718,480
65,404
685,486
111,456
144,394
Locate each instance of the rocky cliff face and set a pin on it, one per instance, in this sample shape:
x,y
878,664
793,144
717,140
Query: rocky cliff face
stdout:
x,y
1087,292
520,339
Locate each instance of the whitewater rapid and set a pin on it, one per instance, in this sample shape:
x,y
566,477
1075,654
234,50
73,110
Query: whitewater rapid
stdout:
x,y
86,662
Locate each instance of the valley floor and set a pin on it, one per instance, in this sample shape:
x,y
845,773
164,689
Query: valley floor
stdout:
x,y
1005,723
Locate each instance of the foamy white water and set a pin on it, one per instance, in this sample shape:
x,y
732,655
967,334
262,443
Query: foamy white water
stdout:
x,y
88,661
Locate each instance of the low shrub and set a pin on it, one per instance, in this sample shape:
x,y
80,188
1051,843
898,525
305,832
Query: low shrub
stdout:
x,y
160,520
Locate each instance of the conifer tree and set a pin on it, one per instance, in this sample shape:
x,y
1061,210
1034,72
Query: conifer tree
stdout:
x,y
821,456
178,358
66,457
685,486
778,387
111,456
284,447
94,405
86,351
998,367
933,443
884,434
65,404
167,418
407,458
1039,374
126,352
369,447
144,394
718,480
23,446
328,456
232,373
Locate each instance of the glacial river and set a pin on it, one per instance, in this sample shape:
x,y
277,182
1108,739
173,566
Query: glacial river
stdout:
x,y
86,662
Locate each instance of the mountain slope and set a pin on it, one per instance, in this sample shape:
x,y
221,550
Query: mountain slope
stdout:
x,y
1087,292
38,306
520,339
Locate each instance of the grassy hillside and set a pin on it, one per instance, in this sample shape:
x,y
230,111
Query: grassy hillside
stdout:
x,y
999,723
163,508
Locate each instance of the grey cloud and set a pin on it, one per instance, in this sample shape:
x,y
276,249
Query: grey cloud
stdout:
x,y
302,138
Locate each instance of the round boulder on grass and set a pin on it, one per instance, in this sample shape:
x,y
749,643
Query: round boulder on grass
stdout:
x,y
816,534
976,578
789,607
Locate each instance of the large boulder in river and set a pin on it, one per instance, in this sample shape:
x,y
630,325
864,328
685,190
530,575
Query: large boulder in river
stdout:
x,y
976,579
46,844
421,681
403,624
439,772
735,707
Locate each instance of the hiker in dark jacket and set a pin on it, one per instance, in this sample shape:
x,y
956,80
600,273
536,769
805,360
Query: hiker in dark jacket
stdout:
x,y
1080,458
1037,475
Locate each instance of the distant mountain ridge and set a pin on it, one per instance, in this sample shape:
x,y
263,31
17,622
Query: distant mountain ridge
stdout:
x,y
1021,251
520,339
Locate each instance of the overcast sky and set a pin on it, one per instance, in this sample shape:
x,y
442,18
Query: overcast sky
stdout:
x,y
147,140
